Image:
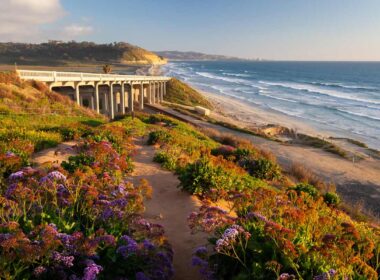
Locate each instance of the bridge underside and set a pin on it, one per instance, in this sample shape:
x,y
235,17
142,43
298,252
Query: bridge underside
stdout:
x,y
112,98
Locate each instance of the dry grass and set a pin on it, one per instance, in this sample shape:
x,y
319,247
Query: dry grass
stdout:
x,y
304,175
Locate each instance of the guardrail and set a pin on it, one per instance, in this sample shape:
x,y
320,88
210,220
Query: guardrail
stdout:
x,y
53,76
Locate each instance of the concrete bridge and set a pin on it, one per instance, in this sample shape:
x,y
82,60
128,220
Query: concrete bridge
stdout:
x,y
108,94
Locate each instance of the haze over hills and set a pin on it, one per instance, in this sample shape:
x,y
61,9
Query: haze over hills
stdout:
x,y
179,55
64,53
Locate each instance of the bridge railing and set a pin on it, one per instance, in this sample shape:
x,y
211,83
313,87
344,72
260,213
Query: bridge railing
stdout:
x,y
53,76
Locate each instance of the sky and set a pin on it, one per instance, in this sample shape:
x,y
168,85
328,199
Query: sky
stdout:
x,y
267,29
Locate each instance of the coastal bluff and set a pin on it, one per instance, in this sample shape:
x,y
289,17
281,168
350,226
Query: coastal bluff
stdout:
x,y
55,53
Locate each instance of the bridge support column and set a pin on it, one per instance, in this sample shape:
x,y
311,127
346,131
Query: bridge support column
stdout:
x,y
142,96
157,92
149,93
130,99
162,91
122,99
153,92
112,112
97,97
77,99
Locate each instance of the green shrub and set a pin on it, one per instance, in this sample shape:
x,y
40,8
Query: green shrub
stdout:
x,y
306,188
77,162
205,178
331,198
158,136
261,168
167,160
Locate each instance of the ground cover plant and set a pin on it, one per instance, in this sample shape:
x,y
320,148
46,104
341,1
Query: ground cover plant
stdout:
x,y
81,220
291,231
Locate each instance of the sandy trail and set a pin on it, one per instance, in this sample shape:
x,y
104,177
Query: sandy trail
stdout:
x,y
169,207
55,155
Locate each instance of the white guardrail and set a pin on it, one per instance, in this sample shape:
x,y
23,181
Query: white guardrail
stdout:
x,y
53,76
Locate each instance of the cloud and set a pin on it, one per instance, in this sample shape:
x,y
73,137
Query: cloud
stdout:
x,y
76,30
29,21
22,19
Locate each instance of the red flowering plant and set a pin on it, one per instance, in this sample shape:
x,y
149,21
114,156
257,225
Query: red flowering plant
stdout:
x,y
304,237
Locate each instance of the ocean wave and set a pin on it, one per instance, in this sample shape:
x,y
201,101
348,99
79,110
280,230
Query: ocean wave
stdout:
x,y
263,93
343,86
237,75
286,112
216,77
358,114
318,90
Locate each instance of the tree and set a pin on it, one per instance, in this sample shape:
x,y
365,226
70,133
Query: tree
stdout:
x,y
107,69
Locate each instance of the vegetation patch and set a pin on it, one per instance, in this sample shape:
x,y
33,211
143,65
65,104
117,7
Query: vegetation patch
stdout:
x,y
181,93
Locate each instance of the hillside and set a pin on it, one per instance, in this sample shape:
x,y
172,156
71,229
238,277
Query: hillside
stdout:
x,y
181,93
32,116
65,53
177,55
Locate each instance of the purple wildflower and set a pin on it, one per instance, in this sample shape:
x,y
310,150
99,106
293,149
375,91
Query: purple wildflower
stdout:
x,y
91,271
201,251
16,176
102,197
204,267
286,276
197,261
229,237
141,276
66,261
129,248
39,270
148,245
107,214
11,189
10,154
106,239
326,275
4,236
121,202
53,176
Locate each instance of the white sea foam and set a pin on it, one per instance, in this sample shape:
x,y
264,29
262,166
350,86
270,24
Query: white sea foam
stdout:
x,y
318,90
358,114
237,75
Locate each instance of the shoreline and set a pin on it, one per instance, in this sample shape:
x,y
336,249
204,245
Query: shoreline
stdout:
x,y
236,112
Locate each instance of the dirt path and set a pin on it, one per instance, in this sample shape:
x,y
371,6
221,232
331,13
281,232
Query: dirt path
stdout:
x,y
169,207
56,154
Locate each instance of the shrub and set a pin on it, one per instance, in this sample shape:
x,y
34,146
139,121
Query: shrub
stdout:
x,y
331,199
306,188
261,168
209,179
224,150
158,136
284,237
166,159
77,162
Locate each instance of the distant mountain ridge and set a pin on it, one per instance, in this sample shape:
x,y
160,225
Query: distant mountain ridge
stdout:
x,y
63,53
179,55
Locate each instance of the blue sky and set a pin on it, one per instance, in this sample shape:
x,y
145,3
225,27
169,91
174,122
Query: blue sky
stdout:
x,y
270,29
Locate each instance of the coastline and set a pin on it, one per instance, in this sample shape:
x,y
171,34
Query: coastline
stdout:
x,y
356,175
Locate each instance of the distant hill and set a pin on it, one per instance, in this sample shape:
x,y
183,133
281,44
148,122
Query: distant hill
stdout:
x,y
64,53
177,55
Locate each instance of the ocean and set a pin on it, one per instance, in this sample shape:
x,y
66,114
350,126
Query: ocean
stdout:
x,y
339,98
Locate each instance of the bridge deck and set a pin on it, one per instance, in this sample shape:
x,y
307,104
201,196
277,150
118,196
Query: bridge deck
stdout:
x,y
53,76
